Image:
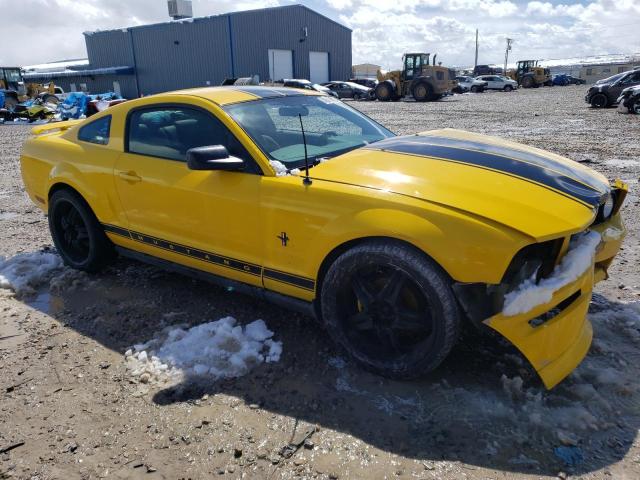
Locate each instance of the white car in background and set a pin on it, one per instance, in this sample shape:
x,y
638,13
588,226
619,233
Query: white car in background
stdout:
x,y
498,82
469,84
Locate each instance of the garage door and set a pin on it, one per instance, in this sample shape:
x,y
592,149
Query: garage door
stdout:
x,y
280,64
319,67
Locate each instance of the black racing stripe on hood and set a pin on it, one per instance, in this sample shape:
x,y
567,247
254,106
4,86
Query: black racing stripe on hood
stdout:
x,y
530,157
538,174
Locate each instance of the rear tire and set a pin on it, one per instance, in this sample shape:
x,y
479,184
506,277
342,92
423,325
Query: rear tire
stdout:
x,y
422,92
599,100
527,82
475,89
391,308
78,236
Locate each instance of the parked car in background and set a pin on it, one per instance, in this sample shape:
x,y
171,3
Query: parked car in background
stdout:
x,y
306,85
560,80
629,100
365,82
606,92
497,82
575,80
486,70
469,84
349,90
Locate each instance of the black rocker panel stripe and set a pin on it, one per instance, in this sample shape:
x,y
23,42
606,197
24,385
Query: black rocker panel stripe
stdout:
x,y
541,175
123,232
250,268
296,281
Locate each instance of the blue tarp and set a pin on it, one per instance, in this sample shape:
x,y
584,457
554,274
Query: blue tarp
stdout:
x,y
74,106
1,99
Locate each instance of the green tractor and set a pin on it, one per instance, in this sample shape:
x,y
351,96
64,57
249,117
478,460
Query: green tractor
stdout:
x,y
419,79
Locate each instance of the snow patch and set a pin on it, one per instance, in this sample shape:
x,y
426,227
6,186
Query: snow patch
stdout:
x,y
279,167
578,259
26,271
282,170
219,349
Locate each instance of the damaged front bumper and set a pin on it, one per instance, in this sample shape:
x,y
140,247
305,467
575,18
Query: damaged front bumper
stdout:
x,y
555,336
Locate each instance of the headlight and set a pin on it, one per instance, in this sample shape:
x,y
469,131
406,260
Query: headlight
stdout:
x,y
607,208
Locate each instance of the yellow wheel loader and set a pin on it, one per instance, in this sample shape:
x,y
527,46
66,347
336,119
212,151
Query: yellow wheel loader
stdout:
x,y
11,86
419,79
529,75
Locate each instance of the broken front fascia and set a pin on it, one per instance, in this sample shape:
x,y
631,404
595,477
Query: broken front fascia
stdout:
x,y
529,294
531,280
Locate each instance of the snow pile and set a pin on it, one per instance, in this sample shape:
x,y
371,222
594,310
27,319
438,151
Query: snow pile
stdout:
x,y
282,170
220,349
578,259
25,271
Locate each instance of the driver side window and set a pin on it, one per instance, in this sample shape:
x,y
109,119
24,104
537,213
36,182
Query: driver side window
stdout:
x,y
170,131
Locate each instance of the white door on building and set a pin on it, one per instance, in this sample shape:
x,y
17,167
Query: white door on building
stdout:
x,y
280,64
319,67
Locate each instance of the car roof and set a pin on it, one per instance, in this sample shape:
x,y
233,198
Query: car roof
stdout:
x,y
243,93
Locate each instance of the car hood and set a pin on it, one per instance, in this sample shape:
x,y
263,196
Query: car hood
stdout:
x,y
535,192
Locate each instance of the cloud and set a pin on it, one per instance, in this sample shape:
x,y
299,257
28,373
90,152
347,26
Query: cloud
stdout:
x,y
47,30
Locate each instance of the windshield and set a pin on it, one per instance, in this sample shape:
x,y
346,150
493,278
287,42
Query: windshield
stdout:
x,y
331,127
612,79
12,75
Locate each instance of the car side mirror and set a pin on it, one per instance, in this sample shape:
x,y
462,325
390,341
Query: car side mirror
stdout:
x,y
213,157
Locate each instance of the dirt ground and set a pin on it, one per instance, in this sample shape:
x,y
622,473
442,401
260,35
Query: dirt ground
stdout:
x,y
66,393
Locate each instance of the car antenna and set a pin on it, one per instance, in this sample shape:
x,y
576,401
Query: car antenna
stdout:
x,y
306,180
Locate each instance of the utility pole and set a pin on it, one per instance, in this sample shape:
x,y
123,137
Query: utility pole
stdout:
x,y
475,63
506,54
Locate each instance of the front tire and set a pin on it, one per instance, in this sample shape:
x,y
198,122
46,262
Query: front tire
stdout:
x,y
391,308
475,89
77,234
599,100
10,103
384,92
508,88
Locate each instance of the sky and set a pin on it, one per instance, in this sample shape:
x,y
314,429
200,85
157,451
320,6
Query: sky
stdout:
x,y
49,30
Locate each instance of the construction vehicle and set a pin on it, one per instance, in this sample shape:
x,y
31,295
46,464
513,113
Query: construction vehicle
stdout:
x,y
12,86
424,82
529,75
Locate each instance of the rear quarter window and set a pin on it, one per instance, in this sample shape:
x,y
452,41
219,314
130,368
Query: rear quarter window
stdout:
x,y
97,131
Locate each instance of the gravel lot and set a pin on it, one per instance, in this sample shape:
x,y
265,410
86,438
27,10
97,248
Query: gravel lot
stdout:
x,y
67,395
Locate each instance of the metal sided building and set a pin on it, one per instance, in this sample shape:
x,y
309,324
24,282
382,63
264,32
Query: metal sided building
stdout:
x,y
274,43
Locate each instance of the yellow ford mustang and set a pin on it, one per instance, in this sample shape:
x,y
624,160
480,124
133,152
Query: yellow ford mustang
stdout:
x,y
392,241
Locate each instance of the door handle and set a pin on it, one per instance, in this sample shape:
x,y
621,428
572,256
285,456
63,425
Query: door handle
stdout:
x,y
130,176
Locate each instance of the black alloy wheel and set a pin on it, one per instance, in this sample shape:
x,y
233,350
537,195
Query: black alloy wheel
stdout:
x,y
78,236
391,308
